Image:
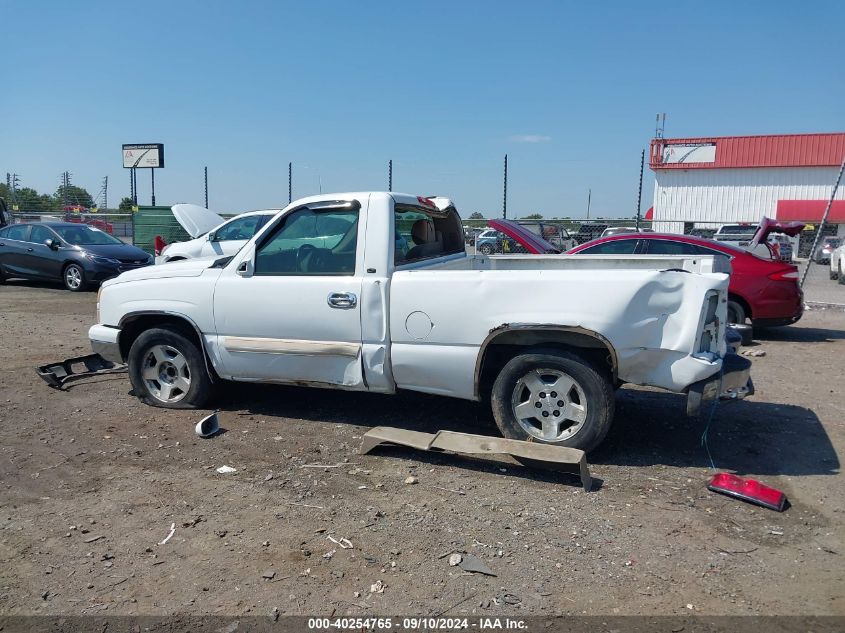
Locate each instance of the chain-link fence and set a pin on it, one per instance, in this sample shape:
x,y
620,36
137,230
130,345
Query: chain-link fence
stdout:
x,y
567,233
117,224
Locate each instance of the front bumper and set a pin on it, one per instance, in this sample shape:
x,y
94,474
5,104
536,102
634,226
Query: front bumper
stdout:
x,y
733,382
105,342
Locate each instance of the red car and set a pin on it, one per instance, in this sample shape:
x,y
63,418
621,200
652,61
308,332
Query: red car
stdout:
x,y
763,290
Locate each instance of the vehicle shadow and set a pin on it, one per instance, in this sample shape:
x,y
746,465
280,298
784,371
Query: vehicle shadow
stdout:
x,y
746,437
798,334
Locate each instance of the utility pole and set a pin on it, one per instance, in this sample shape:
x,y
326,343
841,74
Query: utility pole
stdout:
x,y
290,183
640,192
132,185
589,199
205,181
390,175
65,185
505,194
153,185
15,182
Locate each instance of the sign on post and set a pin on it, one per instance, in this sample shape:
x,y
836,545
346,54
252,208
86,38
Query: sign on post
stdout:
x,y
149,156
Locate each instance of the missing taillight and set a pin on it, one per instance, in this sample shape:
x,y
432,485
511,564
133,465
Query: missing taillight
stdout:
x,y
749,490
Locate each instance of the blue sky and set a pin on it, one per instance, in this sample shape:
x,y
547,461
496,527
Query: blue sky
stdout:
x,y
568,90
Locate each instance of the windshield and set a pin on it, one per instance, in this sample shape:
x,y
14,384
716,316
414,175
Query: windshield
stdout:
x,y
85,235
738,229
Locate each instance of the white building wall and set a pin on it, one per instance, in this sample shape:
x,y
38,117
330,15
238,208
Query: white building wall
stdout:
x,y
734,195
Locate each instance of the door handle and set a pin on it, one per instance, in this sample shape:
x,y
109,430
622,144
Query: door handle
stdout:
x,y
342,300
29,250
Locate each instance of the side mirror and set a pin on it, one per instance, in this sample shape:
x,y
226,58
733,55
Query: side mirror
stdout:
x,y
52,244
210,236
246,267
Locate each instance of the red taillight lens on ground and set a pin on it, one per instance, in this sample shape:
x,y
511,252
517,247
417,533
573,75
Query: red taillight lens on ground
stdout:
x,y
749,490
784,275
159,244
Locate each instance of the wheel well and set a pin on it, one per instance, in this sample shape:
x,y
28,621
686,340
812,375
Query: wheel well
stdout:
x,y
177,258
133,327
742,302
502,347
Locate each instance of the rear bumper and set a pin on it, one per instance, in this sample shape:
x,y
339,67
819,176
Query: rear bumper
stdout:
x,y
104,341
732,383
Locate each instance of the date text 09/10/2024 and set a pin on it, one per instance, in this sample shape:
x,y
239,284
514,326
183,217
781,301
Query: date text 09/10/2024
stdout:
x,y
417,623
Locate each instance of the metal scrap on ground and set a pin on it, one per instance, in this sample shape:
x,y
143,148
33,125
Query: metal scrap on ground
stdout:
x,y
57,375
479,445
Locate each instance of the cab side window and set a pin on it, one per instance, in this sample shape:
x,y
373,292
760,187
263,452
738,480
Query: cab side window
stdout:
x,y
311,242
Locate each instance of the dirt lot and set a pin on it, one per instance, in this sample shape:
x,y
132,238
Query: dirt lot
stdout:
x,y
92,481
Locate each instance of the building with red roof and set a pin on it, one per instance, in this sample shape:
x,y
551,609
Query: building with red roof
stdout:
x,y
709,181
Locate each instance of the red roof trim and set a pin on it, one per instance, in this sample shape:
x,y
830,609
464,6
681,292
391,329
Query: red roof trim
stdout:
x,y
779,150
810,210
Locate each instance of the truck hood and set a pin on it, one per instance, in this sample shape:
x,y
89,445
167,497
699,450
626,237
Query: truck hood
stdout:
x,y
768,226
182,268
532,242
195,219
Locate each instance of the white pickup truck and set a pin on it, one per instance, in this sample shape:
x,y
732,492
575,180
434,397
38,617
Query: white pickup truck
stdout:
x,y
375,292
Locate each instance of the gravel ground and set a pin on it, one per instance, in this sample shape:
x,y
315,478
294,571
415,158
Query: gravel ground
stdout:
x,y
819,287
92,481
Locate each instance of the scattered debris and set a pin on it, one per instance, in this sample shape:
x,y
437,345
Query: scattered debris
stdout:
x,y
328,555
92,539
56,375
339,465
344,543
411,480
560,458
223,470
753,352
268,575
275,614
172,532
475,565
455,560
377,587
208,426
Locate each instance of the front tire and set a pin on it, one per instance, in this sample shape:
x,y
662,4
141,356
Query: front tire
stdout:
x,y
73,277
485,249
168,370
554,397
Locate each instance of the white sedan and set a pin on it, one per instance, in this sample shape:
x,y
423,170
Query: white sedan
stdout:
x,y
213,236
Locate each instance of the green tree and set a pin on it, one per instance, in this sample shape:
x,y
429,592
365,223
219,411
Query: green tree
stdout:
x,y
73,195
476,215
533,216
125,205
30,201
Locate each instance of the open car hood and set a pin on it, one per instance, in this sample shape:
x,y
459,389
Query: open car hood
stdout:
x,y
532,242
195,219
769,226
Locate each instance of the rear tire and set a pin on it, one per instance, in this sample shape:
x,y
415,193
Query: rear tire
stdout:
x,y
840,276
485,249
73,276
168,370
736,313
833,275
553,397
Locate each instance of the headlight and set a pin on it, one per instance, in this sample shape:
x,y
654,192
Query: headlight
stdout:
x,y
102,260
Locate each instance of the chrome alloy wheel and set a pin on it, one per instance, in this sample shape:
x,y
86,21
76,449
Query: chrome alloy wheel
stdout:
x,y
549,404
73,277
166,373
